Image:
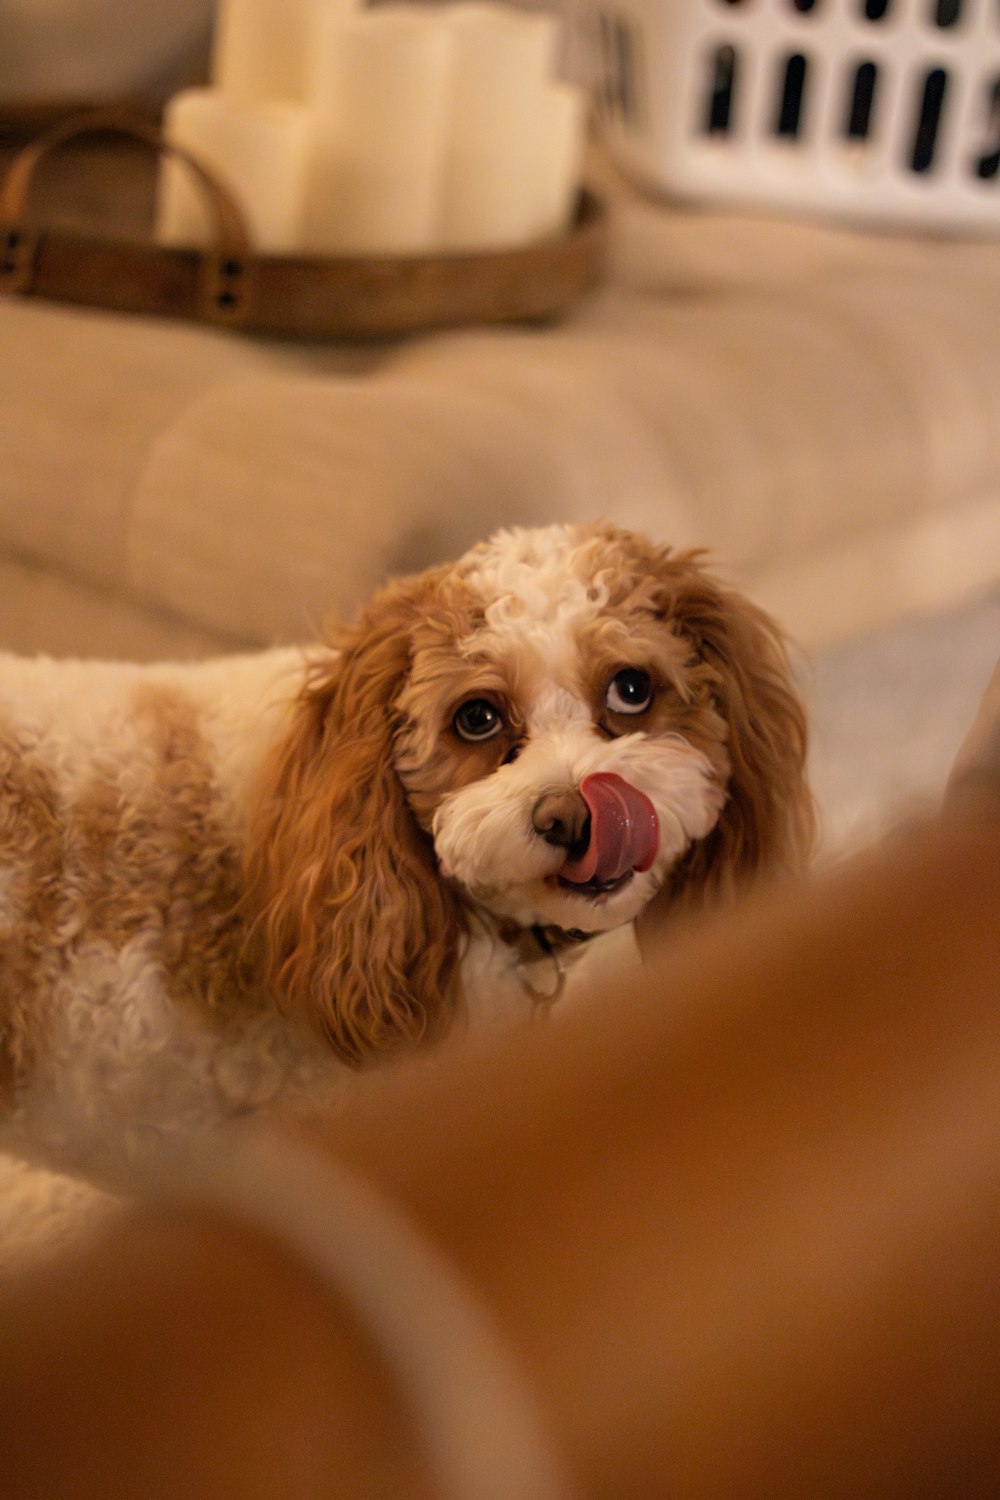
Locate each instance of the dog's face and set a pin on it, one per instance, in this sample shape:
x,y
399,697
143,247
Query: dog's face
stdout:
x,y
559,750
563,729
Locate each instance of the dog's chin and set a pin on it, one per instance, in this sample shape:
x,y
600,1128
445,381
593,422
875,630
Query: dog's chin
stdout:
x,y
589,908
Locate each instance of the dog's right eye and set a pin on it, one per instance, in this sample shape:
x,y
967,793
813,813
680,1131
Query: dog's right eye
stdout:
x,y
630,691
478,719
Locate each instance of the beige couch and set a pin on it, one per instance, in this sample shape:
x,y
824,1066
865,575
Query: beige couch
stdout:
x,y
820,407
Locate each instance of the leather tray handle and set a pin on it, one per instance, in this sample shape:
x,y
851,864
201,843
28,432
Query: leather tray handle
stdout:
x,y
287,295
226,268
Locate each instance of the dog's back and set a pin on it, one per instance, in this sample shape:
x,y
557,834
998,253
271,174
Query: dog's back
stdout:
x,y
123,804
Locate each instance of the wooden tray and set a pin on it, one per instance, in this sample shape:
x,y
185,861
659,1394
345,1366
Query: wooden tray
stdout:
x,y
291,296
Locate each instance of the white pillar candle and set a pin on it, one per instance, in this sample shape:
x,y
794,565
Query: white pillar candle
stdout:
x,y
380,96
258,152
561,135
263,49
503,64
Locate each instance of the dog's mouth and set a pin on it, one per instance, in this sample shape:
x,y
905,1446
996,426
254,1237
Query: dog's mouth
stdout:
x,y
622,836
593,888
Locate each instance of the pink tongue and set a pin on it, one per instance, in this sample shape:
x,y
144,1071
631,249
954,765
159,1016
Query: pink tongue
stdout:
x,y
624,831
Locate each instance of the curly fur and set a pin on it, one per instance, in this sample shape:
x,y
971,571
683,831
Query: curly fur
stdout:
x,y
356,931
221,883
767,824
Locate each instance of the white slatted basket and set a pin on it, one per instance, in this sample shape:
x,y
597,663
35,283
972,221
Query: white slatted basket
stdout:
x,y
886,111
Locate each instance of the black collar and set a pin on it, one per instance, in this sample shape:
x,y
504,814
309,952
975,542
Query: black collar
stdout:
x,y
539,950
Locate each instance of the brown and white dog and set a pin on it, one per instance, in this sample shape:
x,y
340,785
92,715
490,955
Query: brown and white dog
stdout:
x,y
221,883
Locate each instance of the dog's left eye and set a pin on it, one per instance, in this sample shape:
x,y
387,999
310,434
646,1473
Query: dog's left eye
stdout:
x,y
630,691
478,719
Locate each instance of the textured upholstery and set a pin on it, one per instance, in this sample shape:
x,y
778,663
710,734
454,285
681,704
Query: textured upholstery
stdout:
x,y
820,407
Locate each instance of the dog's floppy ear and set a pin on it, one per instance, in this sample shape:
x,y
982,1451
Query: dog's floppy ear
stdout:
x,y
766,826
355,931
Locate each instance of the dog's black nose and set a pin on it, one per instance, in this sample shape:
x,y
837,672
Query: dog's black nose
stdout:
x,y
562,818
